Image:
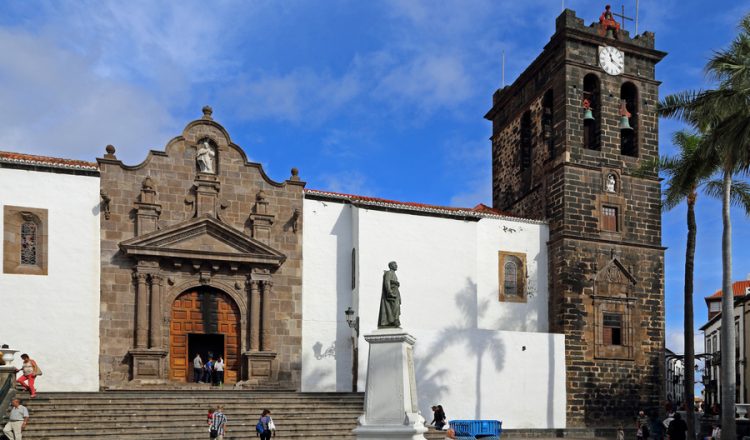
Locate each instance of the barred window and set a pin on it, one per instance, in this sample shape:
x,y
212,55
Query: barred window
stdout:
x,y
511,278
28,243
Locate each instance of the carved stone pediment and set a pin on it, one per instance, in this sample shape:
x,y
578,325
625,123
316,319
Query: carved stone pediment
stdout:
x,y
615,272
203,239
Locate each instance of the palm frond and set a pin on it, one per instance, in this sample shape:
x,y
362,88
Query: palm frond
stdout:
x,y
739,194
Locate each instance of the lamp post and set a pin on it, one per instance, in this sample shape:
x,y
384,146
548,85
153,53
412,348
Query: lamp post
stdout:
x,y
353,322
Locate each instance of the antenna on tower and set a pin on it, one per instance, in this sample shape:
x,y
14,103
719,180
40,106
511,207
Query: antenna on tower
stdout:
x,y
636,16
563,5
503,68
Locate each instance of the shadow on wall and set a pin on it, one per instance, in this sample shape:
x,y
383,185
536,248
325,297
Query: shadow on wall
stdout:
x,y
319,353
317,375
478,344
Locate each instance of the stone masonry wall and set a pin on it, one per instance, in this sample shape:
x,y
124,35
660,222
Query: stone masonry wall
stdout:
x,y
172,172
605,384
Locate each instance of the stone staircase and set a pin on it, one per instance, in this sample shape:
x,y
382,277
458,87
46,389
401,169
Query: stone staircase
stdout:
x,y
181,414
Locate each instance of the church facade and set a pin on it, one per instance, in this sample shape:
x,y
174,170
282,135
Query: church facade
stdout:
x,y
544,310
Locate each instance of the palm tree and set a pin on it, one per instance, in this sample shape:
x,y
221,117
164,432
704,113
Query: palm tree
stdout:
x,y
723,115
695,174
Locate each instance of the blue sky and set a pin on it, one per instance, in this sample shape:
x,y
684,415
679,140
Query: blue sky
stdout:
x,y
380,98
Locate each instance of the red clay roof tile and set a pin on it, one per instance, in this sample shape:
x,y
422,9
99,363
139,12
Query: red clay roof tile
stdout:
x,y
740,288
55,162
479,209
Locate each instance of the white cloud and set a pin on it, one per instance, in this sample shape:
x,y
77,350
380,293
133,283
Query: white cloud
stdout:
x,y
299,96
53,102
348,182
431,81
676,340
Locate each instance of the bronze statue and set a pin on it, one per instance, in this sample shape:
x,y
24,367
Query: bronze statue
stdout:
x,y
390,300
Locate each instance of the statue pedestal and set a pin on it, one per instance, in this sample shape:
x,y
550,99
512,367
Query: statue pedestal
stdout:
x,y
391,410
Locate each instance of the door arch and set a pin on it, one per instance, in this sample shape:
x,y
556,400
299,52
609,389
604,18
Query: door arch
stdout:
x,y
197,314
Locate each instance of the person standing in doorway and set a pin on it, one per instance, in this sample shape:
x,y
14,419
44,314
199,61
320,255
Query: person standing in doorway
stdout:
x,y
197,368
30,371
208,370
218,424
19,417
219,371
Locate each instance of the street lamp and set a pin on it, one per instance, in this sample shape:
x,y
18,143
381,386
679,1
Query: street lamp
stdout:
x,y
353,322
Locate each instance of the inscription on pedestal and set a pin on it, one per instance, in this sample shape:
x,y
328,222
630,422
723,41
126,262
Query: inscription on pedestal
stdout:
x,y
260,368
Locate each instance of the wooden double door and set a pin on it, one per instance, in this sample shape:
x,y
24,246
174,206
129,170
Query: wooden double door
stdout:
x,y
204,321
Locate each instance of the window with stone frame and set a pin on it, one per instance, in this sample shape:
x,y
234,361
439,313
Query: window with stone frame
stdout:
x,y
512,271
24,240
609,219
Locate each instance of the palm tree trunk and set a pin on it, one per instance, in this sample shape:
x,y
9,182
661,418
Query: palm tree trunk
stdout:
x,y
728,366
689,337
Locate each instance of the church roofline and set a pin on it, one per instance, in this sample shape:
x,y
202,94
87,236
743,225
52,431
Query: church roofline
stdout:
x,y
478,212
47,163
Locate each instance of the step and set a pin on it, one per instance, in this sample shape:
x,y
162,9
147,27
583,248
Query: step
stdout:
x,y
181,414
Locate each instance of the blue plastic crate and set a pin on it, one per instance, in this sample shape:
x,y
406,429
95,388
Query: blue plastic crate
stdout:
x,y
477,428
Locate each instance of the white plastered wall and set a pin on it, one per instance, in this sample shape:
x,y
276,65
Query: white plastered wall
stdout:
x,y
475,355
55,317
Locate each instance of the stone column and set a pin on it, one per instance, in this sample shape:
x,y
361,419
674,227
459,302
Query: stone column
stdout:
x,y
265,340
141,310
156,319
254,316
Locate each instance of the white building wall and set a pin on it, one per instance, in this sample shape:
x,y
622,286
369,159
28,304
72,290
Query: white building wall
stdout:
x,y
476,356
327,293
55,318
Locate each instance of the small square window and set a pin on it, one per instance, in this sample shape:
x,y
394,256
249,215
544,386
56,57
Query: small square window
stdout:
x,y
609,218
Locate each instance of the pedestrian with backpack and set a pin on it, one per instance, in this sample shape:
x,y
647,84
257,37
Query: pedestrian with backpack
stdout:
x,y
265,427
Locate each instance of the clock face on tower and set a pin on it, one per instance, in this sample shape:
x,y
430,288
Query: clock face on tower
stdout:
x,y
612,60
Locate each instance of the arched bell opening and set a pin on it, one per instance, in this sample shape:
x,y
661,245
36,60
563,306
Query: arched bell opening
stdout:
x,y
591,114
628,120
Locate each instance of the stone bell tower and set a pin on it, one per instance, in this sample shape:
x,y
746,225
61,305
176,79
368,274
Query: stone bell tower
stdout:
x,y
567,137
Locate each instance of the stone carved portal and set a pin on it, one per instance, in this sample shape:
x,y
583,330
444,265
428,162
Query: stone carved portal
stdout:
x,y
204,311
196,253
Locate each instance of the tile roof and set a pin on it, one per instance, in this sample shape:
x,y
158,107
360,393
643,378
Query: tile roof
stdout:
x,y
46,161
740,288
479,211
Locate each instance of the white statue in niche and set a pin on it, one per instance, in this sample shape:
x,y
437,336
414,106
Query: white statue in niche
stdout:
x,y
611,182
205,158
